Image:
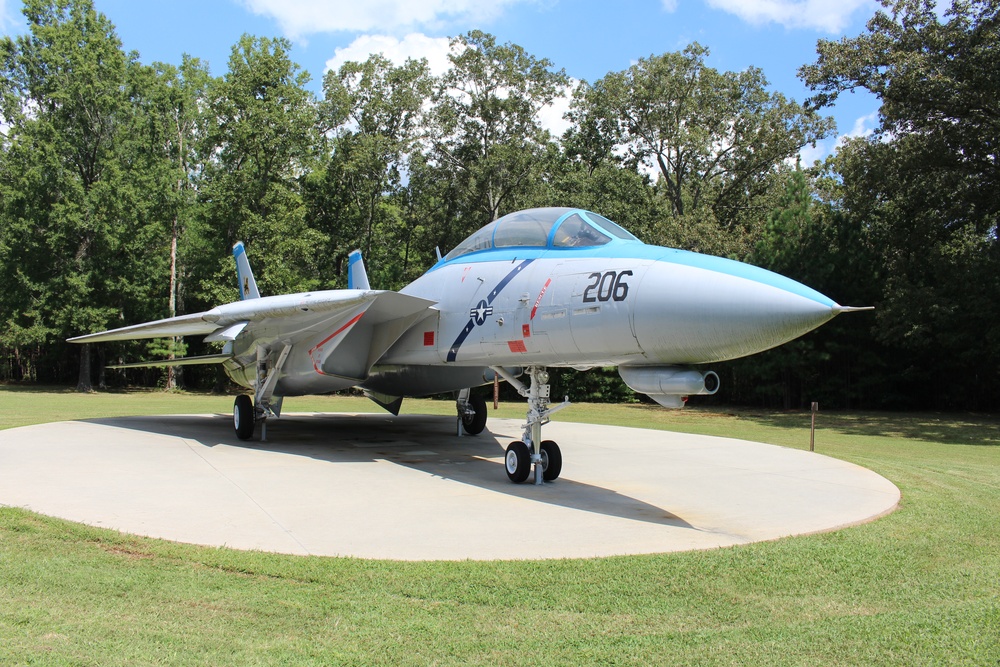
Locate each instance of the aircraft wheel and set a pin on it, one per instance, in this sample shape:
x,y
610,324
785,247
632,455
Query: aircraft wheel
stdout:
x,y
517,461
551,460
475,423
243,417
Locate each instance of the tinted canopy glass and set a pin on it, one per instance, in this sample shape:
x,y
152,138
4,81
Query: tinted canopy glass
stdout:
x,y
543,228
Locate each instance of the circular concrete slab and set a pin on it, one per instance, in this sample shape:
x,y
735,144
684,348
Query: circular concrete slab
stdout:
x,y
374,486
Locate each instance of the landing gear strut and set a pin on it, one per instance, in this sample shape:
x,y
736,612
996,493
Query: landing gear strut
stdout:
x,y
247,412
531,449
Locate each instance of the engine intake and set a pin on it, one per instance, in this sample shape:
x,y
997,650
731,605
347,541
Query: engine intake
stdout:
x,y
669,385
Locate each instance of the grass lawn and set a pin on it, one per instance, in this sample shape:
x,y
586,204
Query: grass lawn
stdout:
x,y
918,587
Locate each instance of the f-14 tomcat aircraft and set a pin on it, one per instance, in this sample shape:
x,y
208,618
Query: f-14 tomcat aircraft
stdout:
x,y
547,287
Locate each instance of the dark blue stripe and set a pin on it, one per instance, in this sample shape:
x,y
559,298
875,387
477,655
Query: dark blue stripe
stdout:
x,y
453,352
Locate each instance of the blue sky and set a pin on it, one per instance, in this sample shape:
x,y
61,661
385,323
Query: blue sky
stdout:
x,y
587,38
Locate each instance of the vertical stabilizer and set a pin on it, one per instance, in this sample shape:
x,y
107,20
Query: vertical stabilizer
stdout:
x,y
357,277
248,286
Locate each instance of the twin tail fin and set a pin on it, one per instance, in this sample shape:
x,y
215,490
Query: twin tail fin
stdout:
x,y
244,274
357,277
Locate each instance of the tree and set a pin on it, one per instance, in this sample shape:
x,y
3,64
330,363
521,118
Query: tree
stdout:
x,y
70,230
263,140
715,139
170,127
928,186
373,109
484,125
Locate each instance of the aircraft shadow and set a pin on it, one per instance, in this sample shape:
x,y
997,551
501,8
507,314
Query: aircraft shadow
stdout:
x,y
420,442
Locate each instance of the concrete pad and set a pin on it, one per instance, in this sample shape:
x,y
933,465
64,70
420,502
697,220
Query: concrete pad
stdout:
x,y
376,486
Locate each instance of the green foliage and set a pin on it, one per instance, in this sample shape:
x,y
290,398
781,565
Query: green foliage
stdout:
x,y
915,587
484,123
75,233
926,184
715,139
261,139
373,110
840,365
123,187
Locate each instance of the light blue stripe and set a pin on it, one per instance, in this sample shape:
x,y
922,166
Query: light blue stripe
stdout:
x,y
625,249
352,259
557,224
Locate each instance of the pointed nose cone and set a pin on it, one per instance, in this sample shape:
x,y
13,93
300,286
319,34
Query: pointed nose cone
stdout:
x,y
694,308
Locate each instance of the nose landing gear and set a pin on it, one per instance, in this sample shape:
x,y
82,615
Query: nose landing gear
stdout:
x,y
531,449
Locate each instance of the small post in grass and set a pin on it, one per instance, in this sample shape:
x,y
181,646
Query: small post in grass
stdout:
x,y
812,428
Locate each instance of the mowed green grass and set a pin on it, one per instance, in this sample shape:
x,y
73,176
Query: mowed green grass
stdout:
x,y
918,587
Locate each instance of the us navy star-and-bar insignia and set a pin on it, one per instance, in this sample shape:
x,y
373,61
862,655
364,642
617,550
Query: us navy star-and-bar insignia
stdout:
x,y
481,312
478,315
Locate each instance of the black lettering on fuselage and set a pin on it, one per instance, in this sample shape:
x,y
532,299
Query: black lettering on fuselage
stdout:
x,y
607,286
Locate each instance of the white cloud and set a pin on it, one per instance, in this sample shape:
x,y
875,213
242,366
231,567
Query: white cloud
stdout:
x,y
299,18
863,127
810,154
831,16
551,116
669,5
435,50
414,45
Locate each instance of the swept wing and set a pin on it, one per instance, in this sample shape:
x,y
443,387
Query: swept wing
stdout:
x,y
284,316
222,322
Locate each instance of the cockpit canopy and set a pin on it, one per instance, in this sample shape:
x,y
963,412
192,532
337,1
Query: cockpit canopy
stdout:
x,y
543,228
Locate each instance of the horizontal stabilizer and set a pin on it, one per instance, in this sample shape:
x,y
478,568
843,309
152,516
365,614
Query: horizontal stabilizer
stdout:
x,y
183,361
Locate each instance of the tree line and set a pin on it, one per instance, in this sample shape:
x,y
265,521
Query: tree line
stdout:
x,y
123,186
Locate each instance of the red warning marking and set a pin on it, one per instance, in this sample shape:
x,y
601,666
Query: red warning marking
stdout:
x,y
517,346
526,330
319,346
428,339
534,309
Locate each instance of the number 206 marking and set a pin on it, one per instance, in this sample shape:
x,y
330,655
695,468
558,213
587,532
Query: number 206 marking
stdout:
x,y
608,286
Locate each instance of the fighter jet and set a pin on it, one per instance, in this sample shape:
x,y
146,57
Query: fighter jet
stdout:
x,y
547,287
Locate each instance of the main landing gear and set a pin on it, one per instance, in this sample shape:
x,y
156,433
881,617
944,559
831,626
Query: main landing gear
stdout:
x,y
247,411
244,417
471,412
531,449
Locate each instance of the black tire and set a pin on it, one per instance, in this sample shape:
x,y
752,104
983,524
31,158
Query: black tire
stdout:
x,y
551,461
243,417
474,424
517,462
